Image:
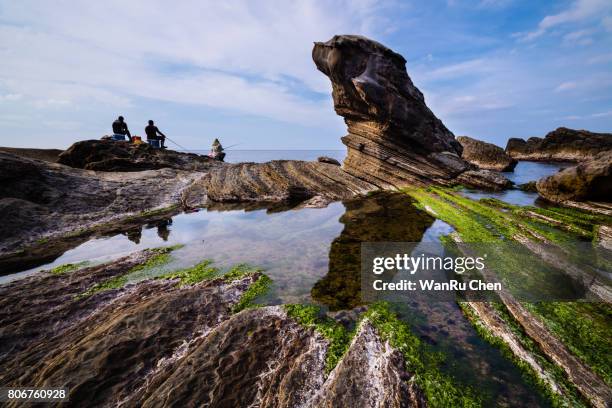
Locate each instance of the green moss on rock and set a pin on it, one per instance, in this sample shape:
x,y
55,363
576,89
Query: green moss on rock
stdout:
x,y
68,267
338,336
440,390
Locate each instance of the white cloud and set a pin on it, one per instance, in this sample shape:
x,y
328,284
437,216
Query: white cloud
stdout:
x,y
10,97
580,37
566,86
240,56
579,11
602,114
459,69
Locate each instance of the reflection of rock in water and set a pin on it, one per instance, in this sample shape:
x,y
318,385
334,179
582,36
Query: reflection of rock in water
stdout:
x,y
134,234
377,218
162,227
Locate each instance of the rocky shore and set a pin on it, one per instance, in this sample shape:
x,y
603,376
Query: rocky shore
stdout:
x,y
130,333
562,144
590,180
486,155
188,338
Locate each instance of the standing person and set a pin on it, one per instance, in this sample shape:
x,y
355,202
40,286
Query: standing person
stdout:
x,y
155,136
120,130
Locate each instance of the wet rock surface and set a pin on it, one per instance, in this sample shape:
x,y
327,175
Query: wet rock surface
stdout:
x,y
371,374
485,155
163,343
562,144
393,138
39,199
588,181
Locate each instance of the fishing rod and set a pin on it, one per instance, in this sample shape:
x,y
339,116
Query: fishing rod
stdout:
x,y
232,146
187,150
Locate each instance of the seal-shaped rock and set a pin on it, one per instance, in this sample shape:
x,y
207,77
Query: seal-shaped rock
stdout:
x,y
393,138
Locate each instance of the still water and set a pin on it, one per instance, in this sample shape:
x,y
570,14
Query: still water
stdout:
x,y
313,256
524,172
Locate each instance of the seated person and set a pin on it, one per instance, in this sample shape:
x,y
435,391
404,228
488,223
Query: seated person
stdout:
x,y
154,136
120,130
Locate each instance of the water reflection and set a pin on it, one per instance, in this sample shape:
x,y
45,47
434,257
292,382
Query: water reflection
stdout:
x,y
380,217
524,172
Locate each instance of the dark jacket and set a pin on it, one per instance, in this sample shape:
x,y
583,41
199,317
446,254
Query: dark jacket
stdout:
x,y
120,128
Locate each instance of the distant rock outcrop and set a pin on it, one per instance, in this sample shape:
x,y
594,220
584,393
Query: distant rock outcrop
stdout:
x,y
562,144
486,155
108,155
588,181
393,138
330,160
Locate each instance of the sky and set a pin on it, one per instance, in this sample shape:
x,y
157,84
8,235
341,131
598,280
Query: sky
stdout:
x,y
242,71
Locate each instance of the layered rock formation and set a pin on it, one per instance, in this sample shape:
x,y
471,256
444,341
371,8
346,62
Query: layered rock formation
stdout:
x,y
165,343
588,181
562,144
282,180
485,155
39,199
393,138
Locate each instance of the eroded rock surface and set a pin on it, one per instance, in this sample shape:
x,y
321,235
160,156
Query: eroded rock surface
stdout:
x,y
562,144
165,343
486,155
39,198
108,155
393,138
371,374
282,180
588,181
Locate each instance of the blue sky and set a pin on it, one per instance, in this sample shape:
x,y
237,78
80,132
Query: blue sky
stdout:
x,y
242,70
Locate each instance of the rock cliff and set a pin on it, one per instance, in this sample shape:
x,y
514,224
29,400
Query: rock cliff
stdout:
x,y
486,155
562,144
393,138
588,181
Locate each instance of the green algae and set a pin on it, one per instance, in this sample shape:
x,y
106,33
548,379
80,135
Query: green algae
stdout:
x,y
257,289
192,275
440,389
68,267
160,257
338,336
569,396
204,271
583,327
585,330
